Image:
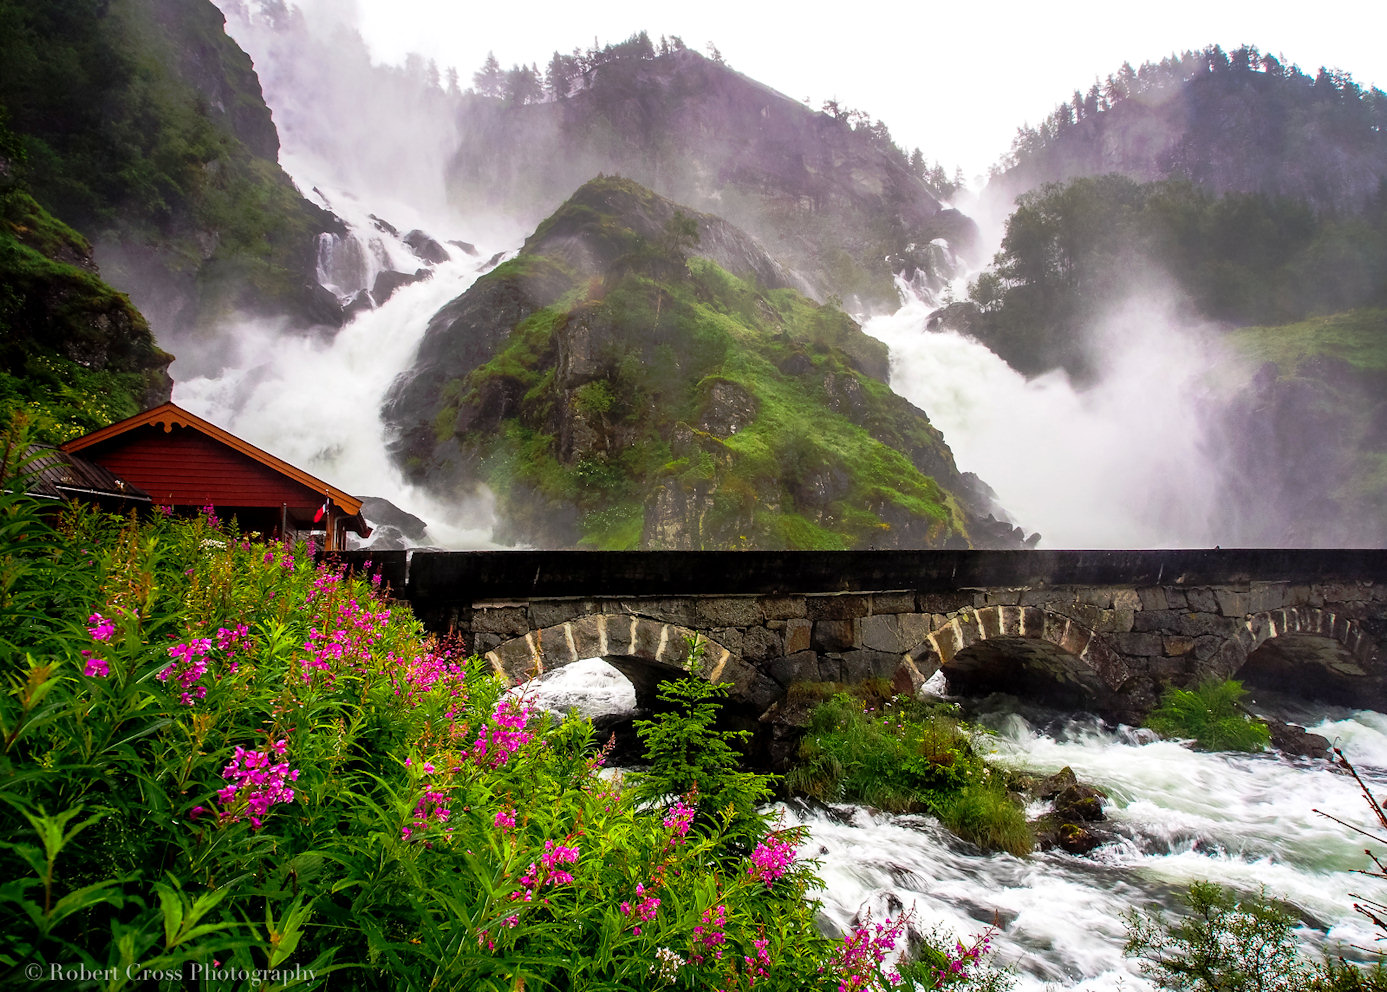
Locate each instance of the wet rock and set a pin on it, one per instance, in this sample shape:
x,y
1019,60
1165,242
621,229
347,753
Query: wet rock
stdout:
x,y
1297,741
389,281
426,247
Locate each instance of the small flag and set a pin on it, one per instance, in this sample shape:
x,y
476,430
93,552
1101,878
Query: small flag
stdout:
x,y
317,517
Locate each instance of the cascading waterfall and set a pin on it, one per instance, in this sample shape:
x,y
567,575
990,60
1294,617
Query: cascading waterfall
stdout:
x,y
1121,463
316,401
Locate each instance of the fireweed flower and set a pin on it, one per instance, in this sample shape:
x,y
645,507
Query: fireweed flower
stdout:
x,y
431,810
505,818
101,629
771,859
678,818
95,667
644,911
710,935
504,735
188,666
257,781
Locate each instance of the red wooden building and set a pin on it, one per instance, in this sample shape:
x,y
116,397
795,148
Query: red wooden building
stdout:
x,y
186,463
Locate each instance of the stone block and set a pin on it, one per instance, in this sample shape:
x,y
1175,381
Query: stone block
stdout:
x,y
482,643
948,643
731,638
1161,621
1122,619
1004,597
944,602
1233,602
834,635
728,611
831,668
1152,598
1141,645
1090,616
797,635
683,612
882,633
1267,596
1099,596
1126,599
990,621
1202,600
759,643
1206,647
508,621
802,666
1176,598
782,607
861,665
1176,645
836,607
893,602
547,614
915,628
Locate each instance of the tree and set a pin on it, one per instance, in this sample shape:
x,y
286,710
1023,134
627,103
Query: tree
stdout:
x,y
489,80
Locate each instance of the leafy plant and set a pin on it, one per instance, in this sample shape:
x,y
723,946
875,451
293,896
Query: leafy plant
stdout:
x,y
1228,943
906,756
1211,715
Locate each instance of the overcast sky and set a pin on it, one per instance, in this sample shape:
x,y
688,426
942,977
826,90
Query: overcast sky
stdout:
x,y
955,80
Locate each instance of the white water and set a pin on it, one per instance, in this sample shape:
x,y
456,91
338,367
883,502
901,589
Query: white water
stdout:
x,y
1120,464
315,402
1179,817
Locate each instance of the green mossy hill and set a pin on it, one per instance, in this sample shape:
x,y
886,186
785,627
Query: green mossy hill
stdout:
x,y
75,355
144,127
827,193
618,389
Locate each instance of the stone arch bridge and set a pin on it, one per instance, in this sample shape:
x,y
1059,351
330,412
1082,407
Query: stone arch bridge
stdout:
x,y
1099,629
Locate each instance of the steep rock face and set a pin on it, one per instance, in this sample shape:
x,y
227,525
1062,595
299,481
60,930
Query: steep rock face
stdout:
x,y
825,199
71,347
144,127
641,376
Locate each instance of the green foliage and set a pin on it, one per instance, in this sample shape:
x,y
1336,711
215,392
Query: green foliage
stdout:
x,y
690,756
903,755
1241,258
424,831
1211,715
1228,943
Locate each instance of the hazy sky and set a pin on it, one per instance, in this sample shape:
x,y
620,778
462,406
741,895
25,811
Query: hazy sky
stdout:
x,y
955,80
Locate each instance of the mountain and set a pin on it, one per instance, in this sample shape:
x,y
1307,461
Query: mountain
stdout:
x,y
1240,122
836,202
142,126
645,376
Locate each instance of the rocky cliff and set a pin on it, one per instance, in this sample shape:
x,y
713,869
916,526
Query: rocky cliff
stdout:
x,y
1239,122
144,128
643,376
836,205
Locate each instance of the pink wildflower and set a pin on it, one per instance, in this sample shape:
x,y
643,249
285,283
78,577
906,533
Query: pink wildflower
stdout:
x,y
771,859
257,781
95,667
101,629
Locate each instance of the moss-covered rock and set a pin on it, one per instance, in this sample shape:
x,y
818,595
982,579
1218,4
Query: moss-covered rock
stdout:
x,y
75,355
643,376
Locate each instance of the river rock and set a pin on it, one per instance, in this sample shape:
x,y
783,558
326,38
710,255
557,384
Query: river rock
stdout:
x,y
426,248
1296,741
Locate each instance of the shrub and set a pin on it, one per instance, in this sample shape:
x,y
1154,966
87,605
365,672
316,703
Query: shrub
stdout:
x,y
1211,716
906,756
1235,944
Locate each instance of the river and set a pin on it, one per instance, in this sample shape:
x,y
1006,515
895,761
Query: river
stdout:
x,y
1177,816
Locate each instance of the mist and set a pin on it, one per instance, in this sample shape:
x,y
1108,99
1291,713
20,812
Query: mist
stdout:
x,y
1130,461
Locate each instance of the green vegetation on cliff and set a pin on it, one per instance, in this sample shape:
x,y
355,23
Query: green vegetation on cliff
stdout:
x,y
636,394
144,128
74,354
1070,251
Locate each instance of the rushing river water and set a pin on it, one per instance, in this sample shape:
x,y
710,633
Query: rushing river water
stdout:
x,y
1176,816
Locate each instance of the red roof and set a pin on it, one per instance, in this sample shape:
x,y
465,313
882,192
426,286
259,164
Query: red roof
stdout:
x,y
182,460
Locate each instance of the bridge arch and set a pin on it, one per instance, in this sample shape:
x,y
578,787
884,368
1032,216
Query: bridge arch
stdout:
x,y
647,651
1023,650
1306,651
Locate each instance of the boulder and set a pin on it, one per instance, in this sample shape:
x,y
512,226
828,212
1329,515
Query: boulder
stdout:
x,y
426,247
